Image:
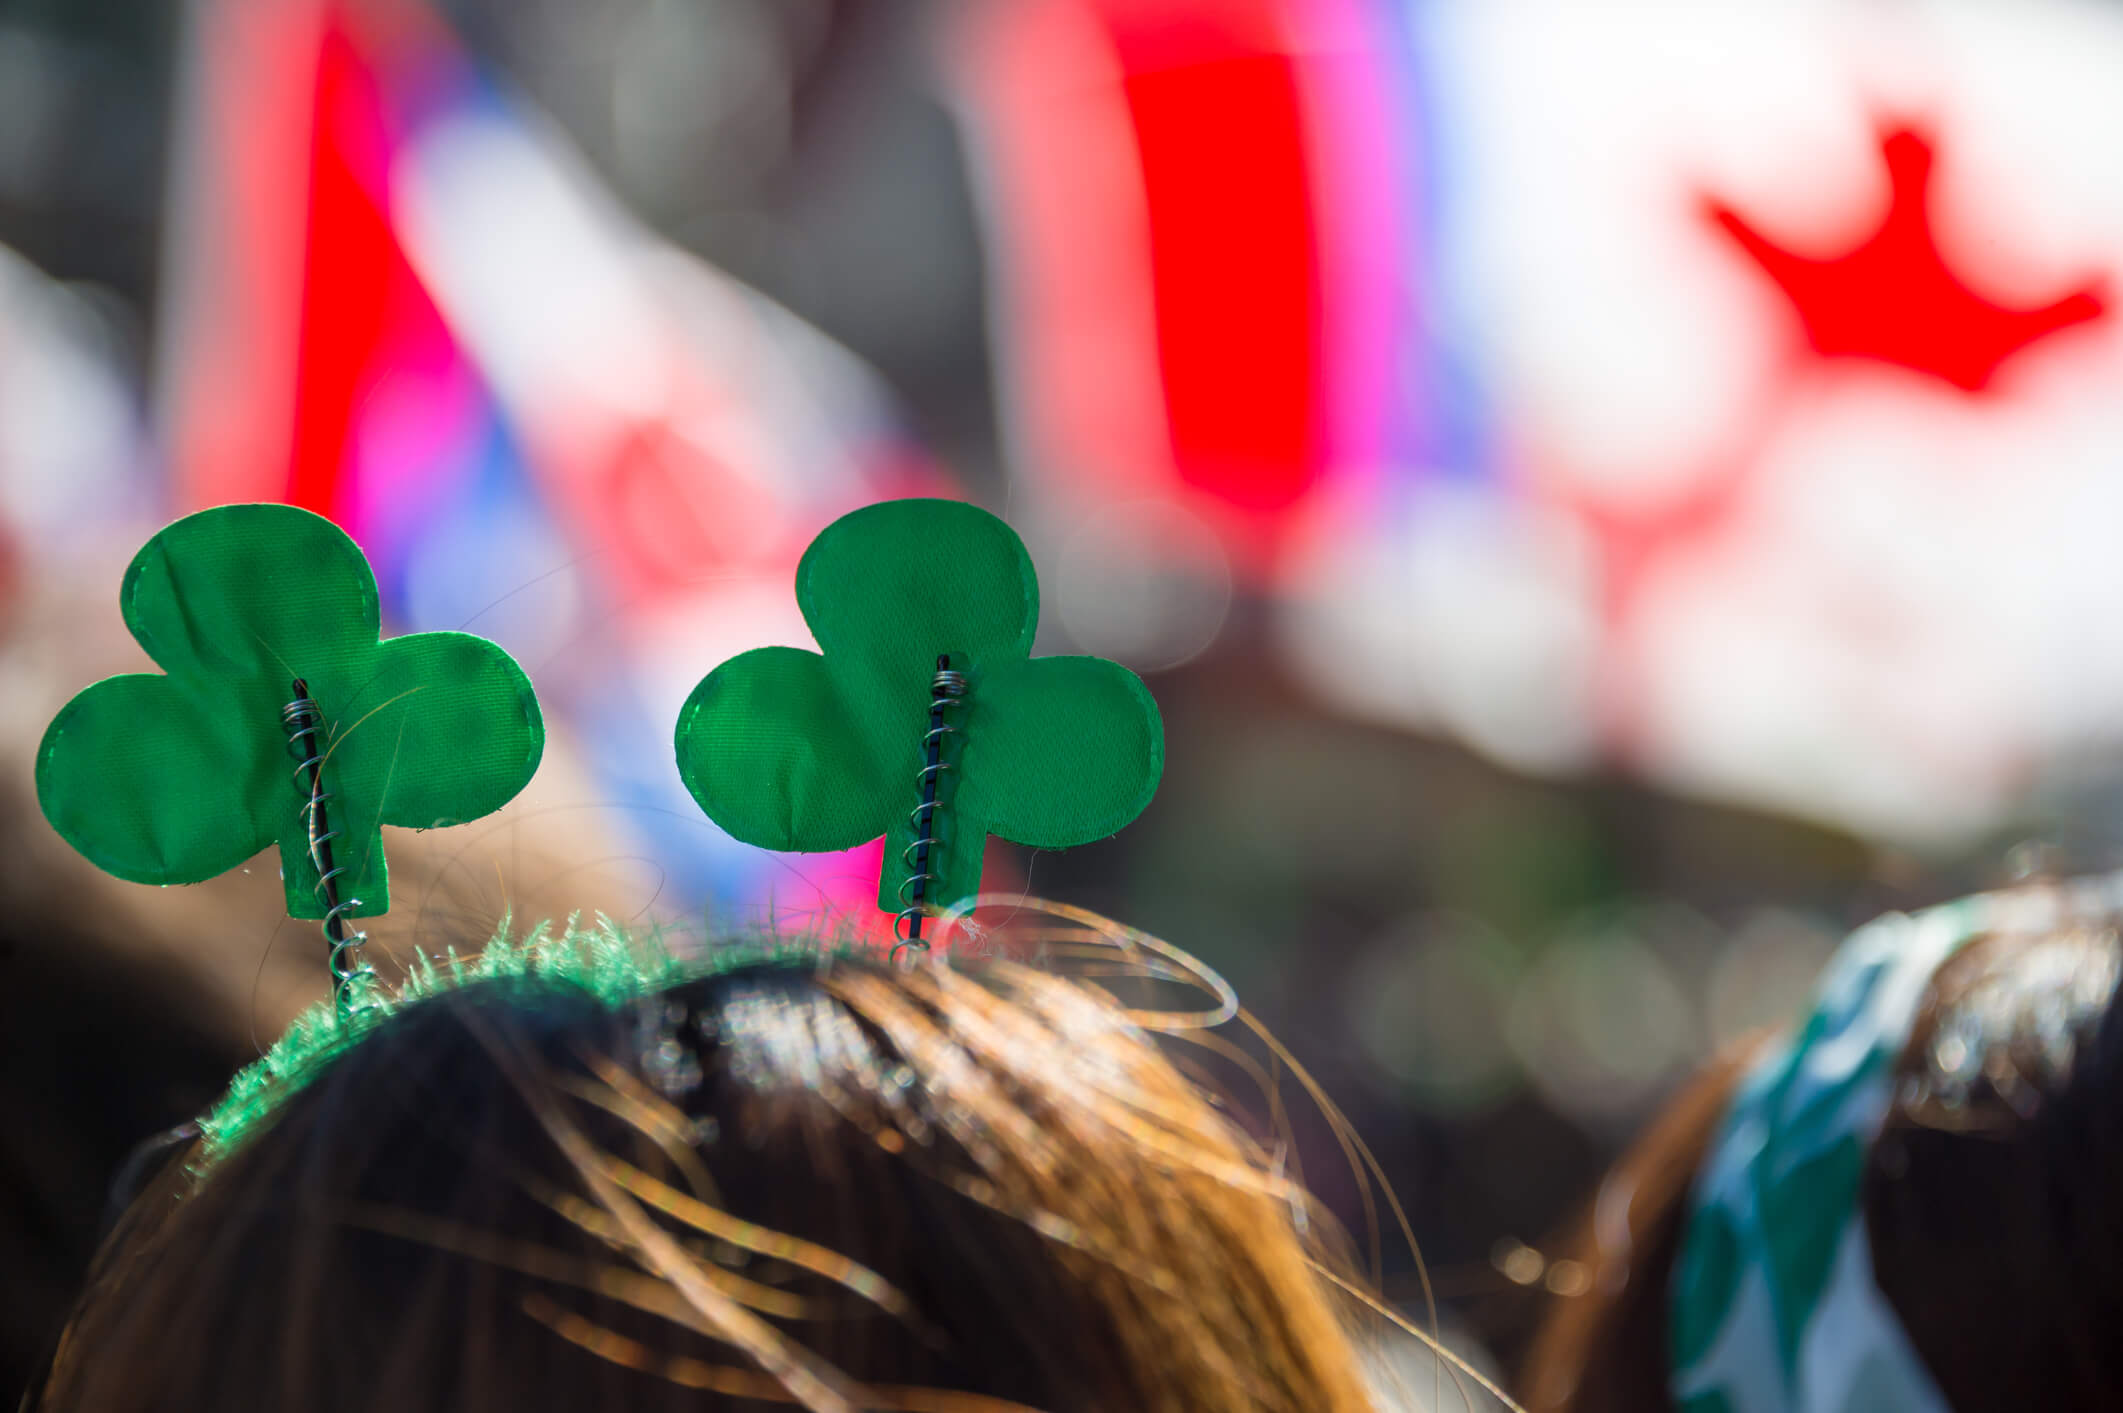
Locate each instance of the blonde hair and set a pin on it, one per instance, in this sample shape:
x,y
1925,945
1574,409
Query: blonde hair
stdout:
x,y
820,1181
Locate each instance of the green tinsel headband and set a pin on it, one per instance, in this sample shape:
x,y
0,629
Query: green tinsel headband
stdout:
x,y
602,960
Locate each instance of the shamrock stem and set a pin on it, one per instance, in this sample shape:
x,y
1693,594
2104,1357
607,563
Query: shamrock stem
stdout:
x,y
301,718
945,689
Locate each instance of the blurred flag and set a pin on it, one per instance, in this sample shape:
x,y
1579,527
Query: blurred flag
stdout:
x,y
1796,326
399,299
1722,392
1197,211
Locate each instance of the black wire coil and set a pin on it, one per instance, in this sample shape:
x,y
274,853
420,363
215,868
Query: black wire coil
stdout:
x,y
301,719
947,691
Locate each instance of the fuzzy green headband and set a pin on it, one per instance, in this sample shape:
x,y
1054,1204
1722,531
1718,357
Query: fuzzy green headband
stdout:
x,y
602,960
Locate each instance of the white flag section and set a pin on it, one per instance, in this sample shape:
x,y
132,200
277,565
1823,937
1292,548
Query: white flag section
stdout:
x,y
1796,331
584,320
688,436
71,453
696,433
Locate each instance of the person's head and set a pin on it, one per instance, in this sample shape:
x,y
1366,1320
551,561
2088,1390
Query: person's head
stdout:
x,y
818,1181
1984,1193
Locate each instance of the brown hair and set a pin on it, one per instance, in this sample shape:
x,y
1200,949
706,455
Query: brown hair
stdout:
x,y
1990,1196
1604,1351
835,1184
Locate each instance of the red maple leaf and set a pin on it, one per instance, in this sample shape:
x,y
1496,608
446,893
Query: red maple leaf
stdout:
x,y
1893,298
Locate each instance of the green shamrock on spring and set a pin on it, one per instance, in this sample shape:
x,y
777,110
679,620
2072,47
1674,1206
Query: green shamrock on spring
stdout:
x,y
812,752
175,778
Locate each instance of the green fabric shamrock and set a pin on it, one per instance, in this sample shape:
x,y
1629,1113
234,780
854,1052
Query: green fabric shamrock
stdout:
x,y
813,752
173,779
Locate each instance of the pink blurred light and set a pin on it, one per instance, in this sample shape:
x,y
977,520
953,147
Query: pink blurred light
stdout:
x,y
237,257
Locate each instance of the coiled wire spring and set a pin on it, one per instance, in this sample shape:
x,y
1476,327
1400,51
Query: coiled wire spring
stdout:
x,y
302,719
947,690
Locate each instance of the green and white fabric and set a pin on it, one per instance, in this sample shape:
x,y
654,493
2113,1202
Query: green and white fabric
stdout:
x,y
1774,1304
